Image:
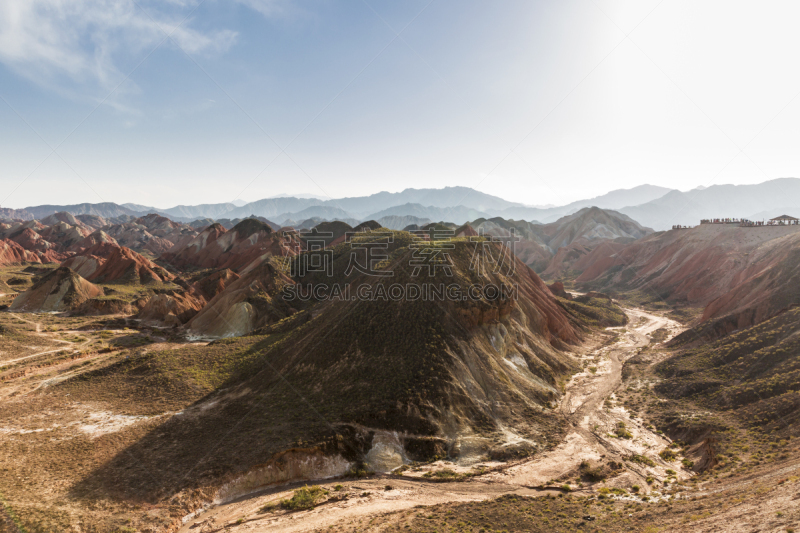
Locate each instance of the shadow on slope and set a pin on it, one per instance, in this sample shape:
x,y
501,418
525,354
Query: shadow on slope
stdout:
x,y
449,377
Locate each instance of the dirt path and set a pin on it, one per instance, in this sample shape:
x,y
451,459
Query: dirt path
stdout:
x,y
38,325
583,405
50,337
594,422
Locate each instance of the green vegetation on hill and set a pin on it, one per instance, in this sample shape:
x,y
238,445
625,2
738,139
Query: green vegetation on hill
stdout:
x,y
595,309
754,372
249,226
729,405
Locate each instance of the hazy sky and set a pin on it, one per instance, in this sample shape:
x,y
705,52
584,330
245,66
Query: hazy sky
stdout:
x,y
186,101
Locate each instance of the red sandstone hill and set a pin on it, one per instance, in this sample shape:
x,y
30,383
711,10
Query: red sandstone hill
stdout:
x,y
172,308
247,303
177,307
49,242
60,290
572,237
465,231
744,274
329,234
92,221
153,233
214,247
65,235
591,224
93,239
107,262
447,377
528,244
31,241
63,216
553,249
213,284
12,253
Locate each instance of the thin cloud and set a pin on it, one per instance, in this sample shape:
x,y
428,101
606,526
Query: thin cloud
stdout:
x,y
56,43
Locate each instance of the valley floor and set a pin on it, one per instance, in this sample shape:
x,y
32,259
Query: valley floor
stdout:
x,y
384,502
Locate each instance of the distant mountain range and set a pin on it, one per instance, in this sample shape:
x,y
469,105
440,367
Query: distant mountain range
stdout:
x,y
651,206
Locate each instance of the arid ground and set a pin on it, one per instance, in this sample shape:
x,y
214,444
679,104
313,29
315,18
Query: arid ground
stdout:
x,y
612,471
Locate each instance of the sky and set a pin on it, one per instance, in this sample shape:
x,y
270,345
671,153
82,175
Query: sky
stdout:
x,y
173,102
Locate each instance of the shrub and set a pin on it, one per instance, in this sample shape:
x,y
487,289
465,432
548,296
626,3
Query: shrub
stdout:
x,y
593,473
304,498
667,454
444,473
359,470
622,432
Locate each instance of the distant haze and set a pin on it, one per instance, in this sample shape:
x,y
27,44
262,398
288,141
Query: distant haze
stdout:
x,y
537,102
651,206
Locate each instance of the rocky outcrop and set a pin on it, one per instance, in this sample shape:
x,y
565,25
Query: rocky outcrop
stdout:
x,y
213,284
60,290
557,289
248,303
171,308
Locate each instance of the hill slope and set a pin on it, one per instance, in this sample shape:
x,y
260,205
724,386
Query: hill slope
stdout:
x,y
457,378
744,274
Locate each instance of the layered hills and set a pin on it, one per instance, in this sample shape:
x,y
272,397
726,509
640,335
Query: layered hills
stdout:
x,y
354,348
216,247
108,262
395,379
552,249
740,275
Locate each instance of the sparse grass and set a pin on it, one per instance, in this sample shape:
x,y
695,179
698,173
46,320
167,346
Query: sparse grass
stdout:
x,y
596,311
642,459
